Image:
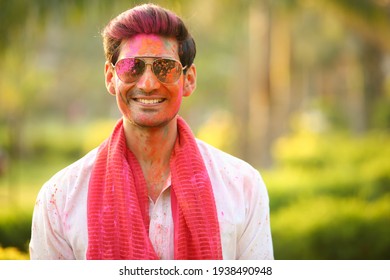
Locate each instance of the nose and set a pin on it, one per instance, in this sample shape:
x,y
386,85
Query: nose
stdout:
x,y
148,81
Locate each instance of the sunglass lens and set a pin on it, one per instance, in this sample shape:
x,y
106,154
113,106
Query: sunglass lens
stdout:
x,y
130,69
167,70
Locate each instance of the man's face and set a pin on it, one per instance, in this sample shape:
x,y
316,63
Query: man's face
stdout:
x,y
147,102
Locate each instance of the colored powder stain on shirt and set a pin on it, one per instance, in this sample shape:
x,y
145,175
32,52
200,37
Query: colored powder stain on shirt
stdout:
x,y
53,196
238,196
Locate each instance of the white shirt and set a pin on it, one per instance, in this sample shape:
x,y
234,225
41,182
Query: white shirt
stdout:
x,y
59,228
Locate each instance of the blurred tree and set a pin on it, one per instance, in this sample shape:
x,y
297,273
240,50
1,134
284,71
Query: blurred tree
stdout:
x,y
271,74
257,60
369,20
266,77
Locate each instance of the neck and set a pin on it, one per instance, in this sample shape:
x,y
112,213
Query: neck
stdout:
x,y
152,146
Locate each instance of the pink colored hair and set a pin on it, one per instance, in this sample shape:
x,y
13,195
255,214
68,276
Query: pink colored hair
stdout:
x,y
147,19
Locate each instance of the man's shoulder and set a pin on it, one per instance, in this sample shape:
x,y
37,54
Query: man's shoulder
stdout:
x,y
68,184
232,178
85,162
216,157
80,168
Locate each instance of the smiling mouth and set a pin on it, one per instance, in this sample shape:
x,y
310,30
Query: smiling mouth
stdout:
x,y
149,101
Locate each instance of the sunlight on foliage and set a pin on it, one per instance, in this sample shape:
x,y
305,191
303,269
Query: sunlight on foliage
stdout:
x,y
11,253
96,132
219,130
332,228
330,195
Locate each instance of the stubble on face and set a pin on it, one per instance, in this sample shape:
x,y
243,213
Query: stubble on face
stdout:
x,y
150,106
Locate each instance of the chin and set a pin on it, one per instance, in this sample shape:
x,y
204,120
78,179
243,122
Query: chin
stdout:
x,y
152,123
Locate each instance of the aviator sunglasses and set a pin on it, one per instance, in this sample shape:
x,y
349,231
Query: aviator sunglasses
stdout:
x,y
166,70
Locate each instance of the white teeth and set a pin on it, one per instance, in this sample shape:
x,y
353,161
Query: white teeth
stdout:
x,y
150,101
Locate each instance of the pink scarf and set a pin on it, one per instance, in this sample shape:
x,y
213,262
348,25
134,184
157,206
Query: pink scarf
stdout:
x,y
118,206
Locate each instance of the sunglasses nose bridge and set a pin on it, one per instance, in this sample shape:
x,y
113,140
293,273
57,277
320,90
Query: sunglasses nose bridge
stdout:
x,y
148,80
148,63
151,69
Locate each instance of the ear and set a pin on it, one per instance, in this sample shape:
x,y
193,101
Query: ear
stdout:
x,y
190,81
109,77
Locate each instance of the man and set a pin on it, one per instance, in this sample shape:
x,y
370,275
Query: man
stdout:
x,y
151,190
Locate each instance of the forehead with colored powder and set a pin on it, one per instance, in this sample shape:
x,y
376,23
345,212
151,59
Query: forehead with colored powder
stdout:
x,y
149,45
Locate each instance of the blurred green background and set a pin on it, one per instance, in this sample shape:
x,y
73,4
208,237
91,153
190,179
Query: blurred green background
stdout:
x,y
298,88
